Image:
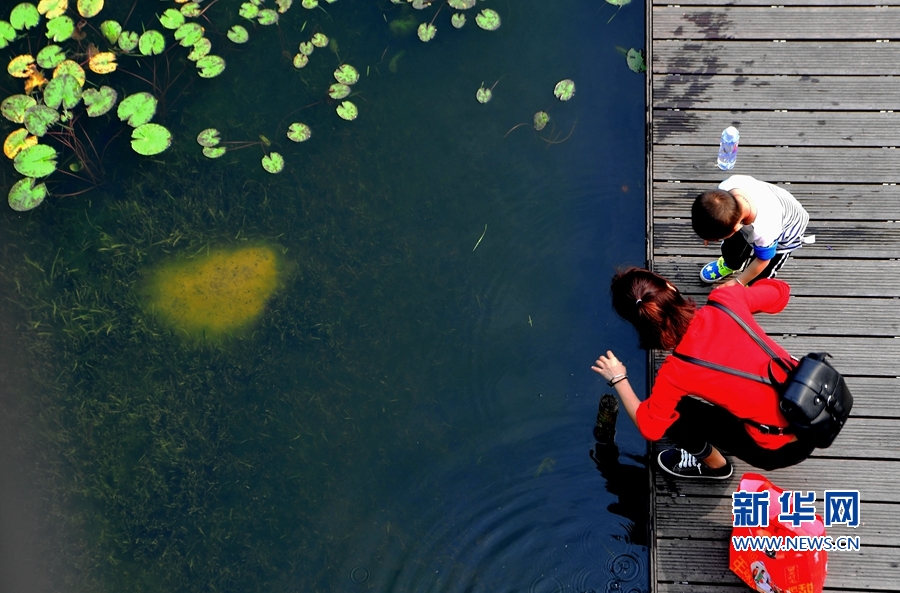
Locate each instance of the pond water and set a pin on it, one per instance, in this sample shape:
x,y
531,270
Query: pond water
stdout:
x,y
412,410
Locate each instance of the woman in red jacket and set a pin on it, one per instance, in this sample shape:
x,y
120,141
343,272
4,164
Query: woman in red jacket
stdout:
x,y
738,415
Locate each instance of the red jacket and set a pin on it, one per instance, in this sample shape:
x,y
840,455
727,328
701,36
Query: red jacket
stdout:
x,y
716,337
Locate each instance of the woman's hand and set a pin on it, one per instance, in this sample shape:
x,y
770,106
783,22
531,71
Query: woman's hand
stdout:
x,y
608,366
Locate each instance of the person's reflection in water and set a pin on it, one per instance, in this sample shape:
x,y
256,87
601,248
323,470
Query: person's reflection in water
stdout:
x,y
629,483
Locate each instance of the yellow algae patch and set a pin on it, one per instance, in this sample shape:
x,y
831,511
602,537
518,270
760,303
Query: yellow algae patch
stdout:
x,y
215,293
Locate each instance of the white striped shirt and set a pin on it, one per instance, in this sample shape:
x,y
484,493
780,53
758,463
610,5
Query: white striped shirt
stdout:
x,y
780,219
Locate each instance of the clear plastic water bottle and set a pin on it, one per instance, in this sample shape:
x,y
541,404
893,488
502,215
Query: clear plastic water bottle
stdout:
x,y
728,148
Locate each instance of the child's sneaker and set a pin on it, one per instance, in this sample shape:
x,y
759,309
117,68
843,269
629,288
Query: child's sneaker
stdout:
x,y
682,464
715,271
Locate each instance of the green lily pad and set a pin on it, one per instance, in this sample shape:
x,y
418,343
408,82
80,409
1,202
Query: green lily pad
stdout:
x,y
267,16
7,34
483,95
564,89
14,107
347,110
201,49
191,10
50,56
152,43
150,139
52,8
426,32
89,8
319,40
284,5
458,20
60,28
71,68
25,195
137,109
310,4
488,19
208,138
62,90
36,161
420,4
238,34
273,162
635,60
99,101
24,16
618,3
301,60
20,66
213,152
111,30
346,74
171,19
540,120
39,118
17,141
210,66
249,11
299,132
128,40
307,48
461,4
188,34
338,91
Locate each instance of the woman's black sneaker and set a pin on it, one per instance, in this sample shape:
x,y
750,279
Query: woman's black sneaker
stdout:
x,y
682,464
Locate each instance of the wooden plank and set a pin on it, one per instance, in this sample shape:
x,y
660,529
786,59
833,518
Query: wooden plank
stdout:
x,y
776,128
872,357
768,22
822,201
663,587
793,164
796,58
784,3
801,93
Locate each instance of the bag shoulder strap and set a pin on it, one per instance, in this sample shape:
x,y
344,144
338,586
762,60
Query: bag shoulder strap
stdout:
x,y
722,368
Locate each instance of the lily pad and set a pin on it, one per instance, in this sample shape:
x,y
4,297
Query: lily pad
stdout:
x,y
483,95
62,90
99,101
50,56
426,32
20,66
238,34
635,60
7,34
17,141
111,30
210,66
346,74
319,40
150,139
420,4
103,63
249,11
488,19
618,3
151,43
310,4
301,60
347,110
171,19
461,4
267,16
60,28
36,161
338,91
128,40
14,107
458,20
137,109
201,49
191,10
25,195
89,8
307,48
540,120
188,34
52,8
299,132
284,5
208,138
39,118
24,16
213,152
71,68
273,162
564,89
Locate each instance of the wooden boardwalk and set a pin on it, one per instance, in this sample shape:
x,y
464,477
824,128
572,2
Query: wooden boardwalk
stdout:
x,y
813,87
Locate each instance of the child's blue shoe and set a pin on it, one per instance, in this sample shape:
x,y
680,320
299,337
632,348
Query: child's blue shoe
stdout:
x,y
715,271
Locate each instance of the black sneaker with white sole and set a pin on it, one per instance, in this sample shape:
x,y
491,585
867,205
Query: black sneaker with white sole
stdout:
x,y
682,464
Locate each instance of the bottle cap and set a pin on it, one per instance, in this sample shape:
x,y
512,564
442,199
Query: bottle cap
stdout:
x,y
731,134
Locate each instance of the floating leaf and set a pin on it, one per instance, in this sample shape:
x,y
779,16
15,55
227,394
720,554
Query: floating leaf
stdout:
x,y
200,49
421,4
89,8
426,32
564,89
99,101
307,48
301,60
7,34
52,8
151,43
39,118
273,162
208,137
267,16
249,11
635,60
24,16
25,195
17,141
210,66
51,56
71,68
171,19
346,74
36,161
111,30
60,28
14,107
213,152
238,34
137,109
150,139
310,4
191,10
20,66
347,110
483,95
338,91
461,4
188,34
319,40
62,90
540,120
619,3
488,19
104,62
299,132
284,5
458,20
128,40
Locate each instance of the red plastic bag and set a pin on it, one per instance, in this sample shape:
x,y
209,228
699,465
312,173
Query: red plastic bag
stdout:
x,y
778,571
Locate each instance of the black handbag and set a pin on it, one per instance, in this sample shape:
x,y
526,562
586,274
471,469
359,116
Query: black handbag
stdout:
x,y
814,398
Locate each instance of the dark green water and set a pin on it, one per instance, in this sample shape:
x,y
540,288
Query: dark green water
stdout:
x,y
409,414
